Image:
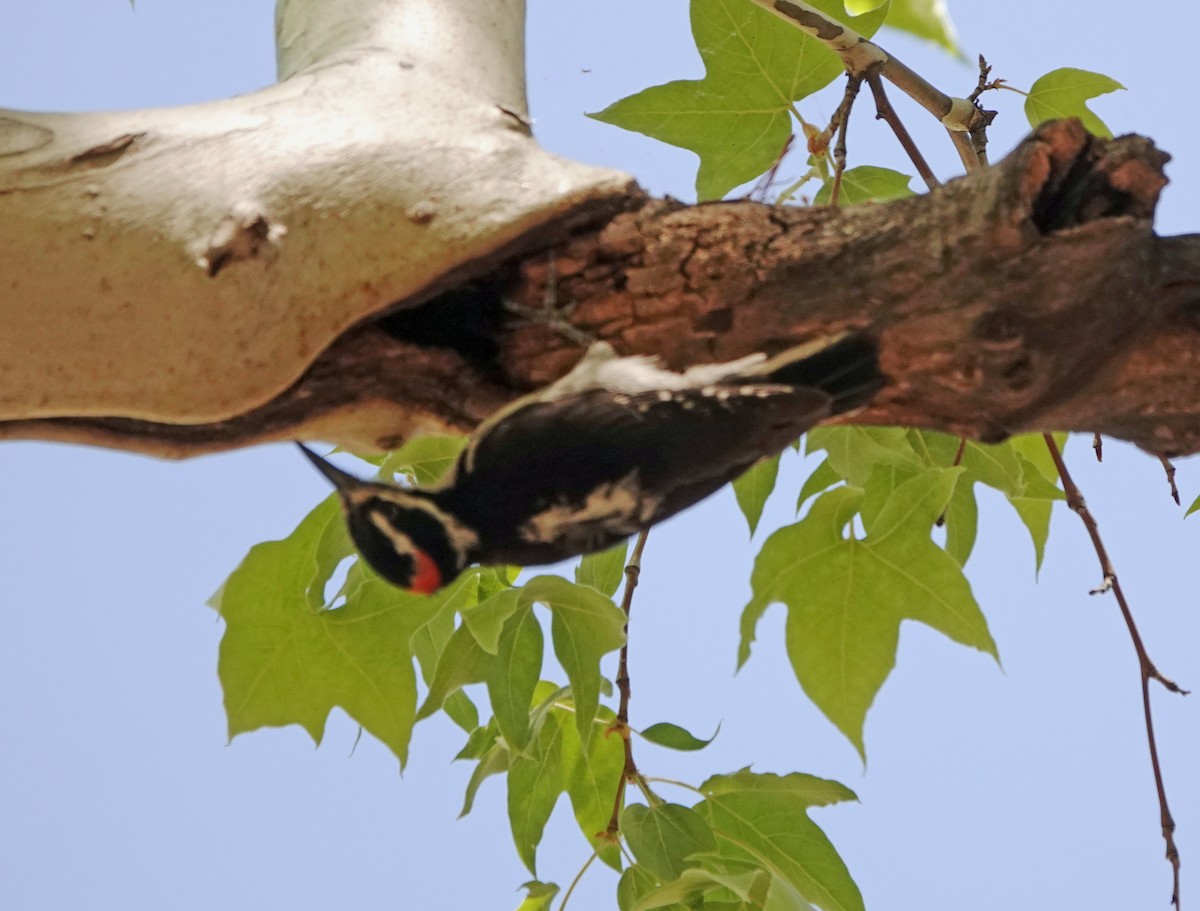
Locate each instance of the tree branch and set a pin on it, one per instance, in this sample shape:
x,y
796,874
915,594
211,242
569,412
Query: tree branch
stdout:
x,y
1032,295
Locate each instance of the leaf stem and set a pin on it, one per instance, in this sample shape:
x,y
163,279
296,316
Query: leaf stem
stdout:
x,y
578,877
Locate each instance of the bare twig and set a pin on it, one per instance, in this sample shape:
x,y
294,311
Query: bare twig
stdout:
x,y
884,111
841,117
763,186
633,571
861,56
978,129
1148,670
1169,468
1098,446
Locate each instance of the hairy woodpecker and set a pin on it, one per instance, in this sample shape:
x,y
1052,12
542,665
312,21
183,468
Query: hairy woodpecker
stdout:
x,y
613,447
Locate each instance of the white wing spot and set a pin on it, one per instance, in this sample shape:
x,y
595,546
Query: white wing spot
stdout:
x,y
611,510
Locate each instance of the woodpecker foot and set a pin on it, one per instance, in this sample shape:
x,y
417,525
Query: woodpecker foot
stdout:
x,y
552,313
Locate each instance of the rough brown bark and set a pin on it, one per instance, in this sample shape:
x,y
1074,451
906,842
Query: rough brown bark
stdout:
x,y
1032,295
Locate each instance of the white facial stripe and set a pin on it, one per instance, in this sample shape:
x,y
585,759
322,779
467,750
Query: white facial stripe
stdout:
x,y
400,542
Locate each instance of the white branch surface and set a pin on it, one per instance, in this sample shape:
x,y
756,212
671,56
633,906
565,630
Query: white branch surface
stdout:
x,y
185,265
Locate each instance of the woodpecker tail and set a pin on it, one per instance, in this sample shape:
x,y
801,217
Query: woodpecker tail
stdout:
x,y
845,367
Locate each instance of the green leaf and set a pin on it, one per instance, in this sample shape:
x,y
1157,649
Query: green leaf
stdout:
x,y
674,737
635,883
281,662
486,619
1020,468
962,522
926,19
1191,509
424,459
534,783
494,762
605,570
822,478
461,663
538,896
847,597
1065,93
591,774
854,452
664,836
866,183
513,675
1035,505
764,819
754,487
584,626
694,884
738,117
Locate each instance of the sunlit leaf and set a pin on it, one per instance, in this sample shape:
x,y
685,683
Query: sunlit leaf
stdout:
x,y
534,782
822,478
754,487
854,452
674,737
664,836
846,597
928,19
424,459
866,183
462,662
538,896
1065,93
738,117
281,662
591,774
764,819
584,626
513,674
603,571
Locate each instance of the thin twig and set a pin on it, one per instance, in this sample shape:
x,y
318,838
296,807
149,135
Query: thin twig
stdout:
x,y
763,186
884,111
633,571
841,117
1148,670
1169,468
979,128
1098,445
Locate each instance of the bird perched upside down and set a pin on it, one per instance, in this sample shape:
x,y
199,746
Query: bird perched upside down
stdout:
x,y
615,446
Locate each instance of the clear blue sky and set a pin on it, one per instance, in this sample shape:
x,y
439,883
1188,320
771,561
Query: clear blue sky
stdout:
x,y
1026,787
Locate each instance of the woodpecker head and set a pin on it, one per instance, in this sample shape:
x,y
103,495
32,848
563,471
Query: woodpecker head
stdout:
x,y
401,533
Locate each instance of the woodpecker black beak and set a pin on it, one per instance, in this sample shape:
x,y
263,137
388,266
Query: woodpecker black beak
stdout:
x,y
343,481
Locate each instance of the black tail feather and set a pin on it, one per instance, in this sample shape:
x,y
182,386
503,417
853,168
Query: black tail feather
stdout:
x,y
846,369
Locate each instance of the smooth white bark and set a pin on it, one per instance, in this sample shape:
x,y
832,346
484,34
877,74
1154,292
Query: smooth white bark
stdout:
x,y
185,265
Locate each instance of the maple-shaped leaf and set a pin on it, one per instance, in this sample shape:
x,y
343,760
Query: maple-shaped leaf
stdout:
x,y
866,183
1065,93
846,597
284,662
739,116
762,819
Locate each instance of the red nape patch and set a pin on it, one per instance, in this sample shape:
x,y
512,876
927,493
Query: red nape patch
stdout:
x,y
426,578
